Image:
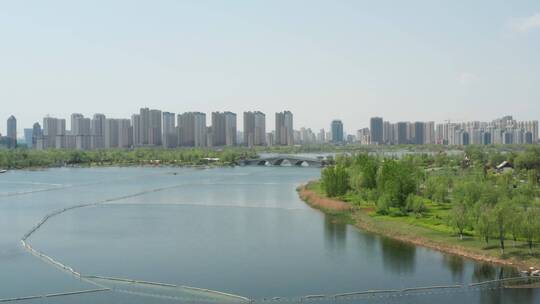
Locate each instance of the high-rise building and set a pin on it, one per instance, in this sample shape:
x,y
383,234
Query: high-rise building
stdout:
x,y
144,126
125,133
75,123
12,131
79,137
170,136
111,133
376,129
192,131
154,128
54,131
136,125
388,132
418,131
254,129
37,133
98,131
223,129
337,131
284,133
402,131
429,133
364,136
230,129
28,137
321,136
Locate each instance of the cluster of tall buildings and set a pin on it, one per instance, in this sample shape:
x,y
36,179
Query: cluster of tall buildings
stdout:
x,y
383,132
504,130
154,128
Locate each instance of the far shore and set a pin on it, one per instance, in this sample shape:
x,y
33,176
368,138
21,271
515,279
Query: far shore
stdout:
x,y
360,218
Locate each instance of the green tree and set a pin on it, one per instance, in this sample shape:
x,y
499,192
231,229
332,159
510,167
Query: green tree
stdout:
x,y
397,180
459,217
335,180
502,219
530,226
484,224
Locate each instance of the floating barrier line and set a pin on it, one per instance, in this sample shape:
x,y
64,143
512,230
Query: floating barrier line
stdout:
x,y
163,296
217,292
432,287
313,297
76,292
503,280
366,292
20,299
129,281
52,295
25,244
68,186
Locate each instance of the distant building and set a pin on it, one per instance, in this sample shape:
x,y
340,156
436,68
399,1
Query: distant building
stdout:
x,y
270,139
170,136
192,131
37,133
284,133
154,128
418,137
376,129
321,136
337,131
144,126
254,129
223,129
12,132
402,133
98,131
28,135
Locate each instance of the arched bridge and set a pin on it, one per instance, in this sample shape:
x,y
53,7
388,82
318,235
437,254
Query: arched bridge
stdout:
x,y
284,160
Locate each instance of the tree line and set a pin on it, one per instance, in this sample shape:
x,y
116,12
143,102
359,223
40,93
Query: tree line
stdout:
x,y
25,158
478,199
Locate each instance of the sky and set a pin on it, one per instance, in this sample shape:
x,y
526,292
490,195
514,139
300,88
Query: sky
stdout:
x,y
425,60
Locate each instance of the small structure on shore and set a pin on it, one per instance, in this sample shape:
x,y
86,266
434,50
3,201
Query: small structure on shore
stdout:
x,y
504,167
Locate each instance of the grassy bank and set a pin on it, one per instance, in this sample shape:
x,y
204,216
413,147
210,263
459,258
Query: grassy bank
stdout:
x,y
429,231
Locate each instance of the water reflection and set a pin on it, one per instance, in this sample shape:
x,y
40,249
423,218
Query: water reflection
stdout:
x,y
456,265
504,295
335,232
398,257
486,272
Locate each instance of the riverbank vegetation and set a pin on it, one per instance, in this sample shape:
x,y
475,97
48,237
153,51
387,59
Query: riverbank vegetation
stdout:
x,y
483,201
381,149
24,158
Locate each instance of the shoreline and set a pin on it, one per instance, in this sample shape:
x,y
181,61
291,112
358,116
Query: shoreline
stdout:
x,y
121,165
362,220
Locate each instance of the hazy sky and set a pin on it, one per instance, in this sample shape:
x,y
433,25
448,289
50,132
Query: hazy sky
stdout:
x,y
403,60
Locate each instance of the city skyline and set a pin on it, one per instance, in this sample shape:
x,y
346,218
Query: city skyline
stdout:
x,y
269,120
453,61
157,128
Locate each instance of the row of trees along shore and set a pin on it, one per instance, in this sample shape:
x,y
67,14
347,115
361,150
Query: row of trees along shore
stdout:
x,y
25,158
463,194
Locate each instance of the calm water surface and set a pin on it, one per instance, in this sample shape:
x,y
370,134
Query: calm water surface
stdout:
x,y
236,230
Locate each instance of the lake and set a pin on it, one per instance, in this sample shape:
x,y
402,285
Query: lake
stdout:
x,y
239,230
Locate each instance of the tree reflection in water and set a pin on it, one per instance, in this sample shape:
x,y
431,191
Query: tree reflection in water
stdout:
x,y
456,265
398,257
335,232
